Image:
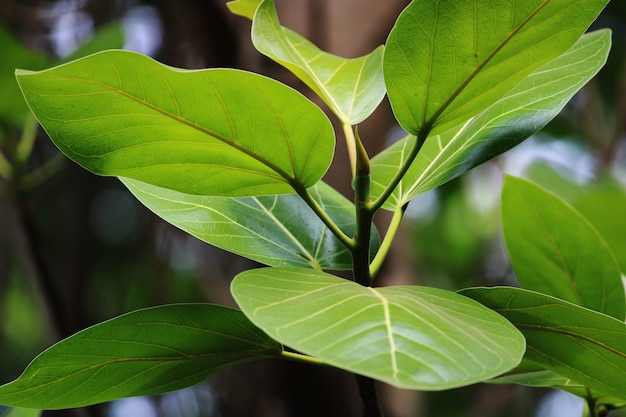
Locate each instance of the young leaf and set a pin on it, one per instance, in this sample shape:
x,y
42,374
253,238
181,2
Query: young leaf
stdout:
x,y
279,230
525,109
577,343
447,61
245,8
410,337
209,132
352,88
145,352
556,251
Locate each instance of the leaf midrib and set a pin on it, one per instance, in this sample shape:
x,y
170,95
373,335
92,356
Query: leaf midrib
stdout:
x,y
433,119
291,180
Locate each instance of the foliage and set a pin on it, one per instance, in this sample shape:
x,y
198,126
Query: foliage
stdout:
x,y
237,160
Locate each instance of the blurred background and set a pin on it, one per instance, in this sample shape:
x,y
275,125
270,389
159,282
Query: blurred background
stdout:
x,y
76,249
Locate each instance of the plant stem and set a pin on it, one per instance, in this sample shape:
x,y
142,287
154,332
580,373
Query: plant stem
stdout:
x,y
385,246
364,216
351,145
298,357
304,194
369,397
406,164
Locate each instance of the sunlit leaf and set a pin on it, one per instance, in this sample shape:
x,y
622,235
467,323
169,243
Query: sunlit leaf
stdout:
x,y
245,8
577,343
447,61
411,337
278,230
556,251
522,111
145,352
210,132
352,88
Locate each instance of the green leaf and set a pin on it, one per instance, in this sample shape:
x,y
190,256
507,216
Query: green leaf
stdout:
x,y
447,61
209,132
577,343
532,375
145,352
508,121
556,251
279,230
604,206
352,88
21,412
410,337
245,8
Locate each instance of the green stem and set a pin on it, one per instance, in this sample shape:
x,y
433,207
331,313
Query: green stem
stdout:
x,y
304,194
385,246
42,174
298,357
364,216
406,164
27,141
351,145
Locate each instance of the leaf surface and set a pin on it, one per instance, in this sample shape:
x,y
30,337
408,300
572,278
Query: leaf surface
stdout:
x,y
21,412
410,337
245,8
577,343
447,61
279,230
556,251
209,132
145,352
508,121
352,88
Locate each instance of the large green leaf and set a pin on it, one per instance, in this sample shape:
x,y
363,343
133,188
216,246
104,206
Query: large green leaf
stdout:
x,y
575,342
279,230
556,251
522,111
446,61
411,337
352,88
210,132
140,353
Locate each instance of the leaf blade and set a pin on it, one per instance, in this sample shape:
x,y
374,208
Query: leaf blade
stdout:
x,y
581,344
511,119
352,88
556,251
278,230
441,87
410,337
121,113
144,352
